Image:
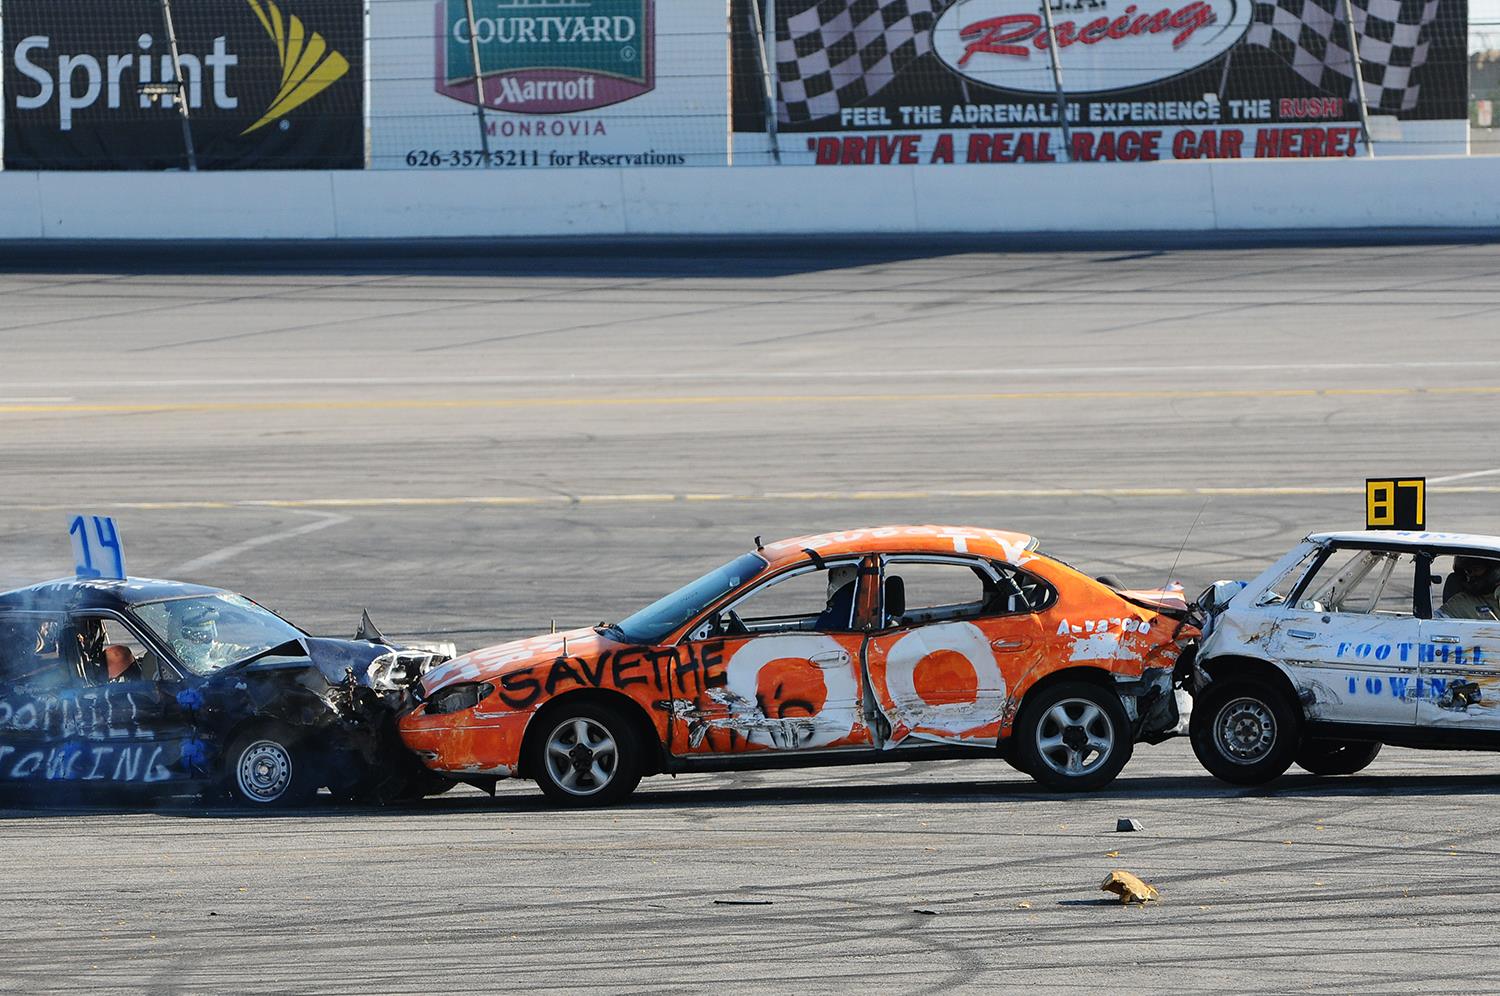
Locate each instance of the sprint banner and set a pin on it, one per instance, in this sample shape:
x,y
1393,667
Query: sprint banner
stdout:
x,y
269,84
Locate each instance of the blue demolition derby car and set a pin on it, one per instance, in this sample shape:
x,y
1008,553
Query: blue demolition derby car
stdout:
x,y
107,685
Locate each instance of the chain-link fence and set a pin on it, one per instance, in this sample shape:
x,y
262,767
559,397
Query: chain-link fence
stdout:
x,y
553,84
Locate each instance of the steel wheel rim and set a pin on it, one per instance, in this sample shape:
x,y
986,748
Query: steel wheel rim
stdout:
x,y
1245,730
1075,737
581,756
265,771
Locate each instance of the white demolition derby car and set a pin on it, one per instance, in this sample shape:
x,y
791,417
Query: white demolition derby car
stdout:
x,y
1351,641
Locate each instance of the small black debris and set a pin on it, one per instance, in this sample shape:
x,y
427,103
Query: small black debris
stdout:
x,y
742,902
926,912
1124,825
212,913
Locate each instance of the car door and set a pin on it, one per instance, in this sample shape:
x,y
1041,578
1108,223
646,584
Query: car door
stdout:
x,y
136,731
1349,637
954,633
778,668
1459,684
39,685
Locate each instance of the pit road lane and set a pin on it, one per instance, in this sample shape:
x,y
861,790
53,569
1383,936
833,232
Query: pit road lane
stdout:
x,y
479,441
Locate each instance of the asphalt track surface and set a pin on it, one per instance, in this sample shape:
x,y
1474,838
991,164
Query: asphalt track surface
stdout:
x,y
472,441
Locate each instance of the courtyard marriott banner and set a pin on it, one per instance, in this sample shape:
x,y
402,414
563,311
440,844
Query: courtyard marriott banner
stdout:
x,y
270,84
560,83
971,81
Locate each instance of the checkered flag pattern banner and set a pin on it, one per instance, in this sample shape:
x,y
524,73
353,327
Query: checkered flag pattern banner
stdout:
x,y
1393,37
836,53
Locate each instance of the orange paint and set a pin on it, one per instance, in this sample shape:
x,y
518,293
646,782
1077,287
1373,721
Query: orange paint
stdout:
x,y
790,686
944,677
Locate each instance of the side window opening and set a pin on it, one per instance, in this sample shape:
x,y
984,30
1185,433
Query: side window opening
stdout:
x,y
812,599
1038,595
1466,587
110,652
1279,589
33,652
1363,582
921,592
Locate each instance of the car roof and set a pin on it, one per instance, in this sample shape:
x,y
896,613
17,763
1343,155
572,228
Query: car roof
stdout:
x,y
86,593
1386,537
993,543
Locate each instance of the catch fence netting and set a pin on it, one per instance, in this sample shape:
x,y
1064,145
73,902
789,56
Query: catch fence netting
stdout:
x,y
569,84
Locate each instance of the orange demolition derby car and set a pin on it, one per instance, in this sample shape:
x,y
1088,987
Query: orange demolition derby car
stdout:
x,y
891,644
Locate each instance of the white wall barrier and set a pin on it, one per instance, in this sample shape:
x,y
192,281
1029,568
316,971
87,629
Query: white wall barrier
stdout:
x,y
1170,196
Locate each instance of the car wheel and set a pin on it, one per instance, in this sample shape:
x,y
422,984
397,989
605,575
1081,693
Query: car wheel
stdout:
x,y
1073,737
1335,757
269,768
1008,754
423,784
587,755
1244,732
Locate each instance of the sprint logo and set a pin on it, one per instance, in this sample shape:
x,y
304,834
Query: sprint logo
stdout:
x,y
308,65
79,81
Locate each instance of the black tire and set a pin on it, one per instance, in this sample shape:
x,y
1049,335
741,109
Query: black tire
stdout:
x,y
1008,754
1073,736
1335,757
1244,732
569,755
269,768
424,784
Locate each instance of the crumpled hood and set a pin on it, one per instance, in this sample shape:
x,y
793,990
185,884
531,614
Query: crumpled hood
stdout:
x,y
1170,600
490,663
329,659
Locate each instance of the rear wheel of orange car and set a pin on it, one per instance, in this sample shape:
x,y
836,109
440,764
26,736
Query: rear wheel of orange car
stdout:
x,y
586,755
1073,736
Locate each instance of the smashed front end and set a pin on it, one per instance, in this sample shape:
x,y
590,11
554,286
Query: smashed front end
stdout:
x,y
1158,702
347,703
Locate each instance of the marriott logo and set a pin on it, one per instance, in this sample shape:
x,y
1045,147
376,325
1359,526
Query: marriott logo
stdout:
x,y
516,91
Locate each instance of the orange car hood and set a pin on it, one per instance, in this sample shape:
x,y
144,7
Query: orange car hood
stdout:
x,y
489,663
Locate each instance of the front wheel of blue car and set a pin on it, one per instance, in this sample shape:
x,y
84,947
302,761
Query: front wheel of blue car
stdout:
x,y
269,768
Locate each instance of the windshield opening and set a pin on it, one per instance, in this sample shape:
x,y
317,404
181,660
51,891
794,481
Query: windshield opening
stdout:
x,y
653,623
210,632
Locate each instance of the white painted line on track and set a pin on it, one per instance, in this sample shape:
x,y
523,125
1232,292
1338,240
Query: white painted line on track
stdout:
x,y
1091,370
532,501
325,520
1463,477
731,400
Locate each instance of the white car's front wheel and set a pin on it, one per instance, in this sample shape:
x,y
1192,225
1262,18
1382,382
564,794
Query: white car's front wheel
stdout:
x,y
1244,732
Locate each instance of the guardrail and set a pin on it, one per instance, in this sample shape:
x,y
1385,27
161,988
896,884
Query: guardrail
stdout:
x,y
1209,196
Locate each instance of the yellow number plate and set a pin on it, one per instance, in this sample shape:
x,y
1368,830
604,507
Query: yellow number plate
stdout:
x,y
1396,503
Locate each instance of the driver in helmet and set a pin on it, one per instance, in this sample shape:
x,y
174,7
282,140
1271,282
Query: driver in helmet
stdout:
x,y
1478,592
838,612
194,630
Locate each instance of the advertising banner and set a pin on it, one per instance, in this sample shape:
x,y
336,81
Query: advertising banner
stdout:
x,y
270,84
559,83
972,81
